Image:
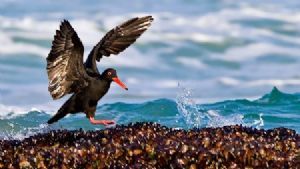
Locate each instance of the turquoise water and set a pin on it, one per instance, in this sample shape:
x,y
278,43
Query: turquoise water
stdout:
x,y
275,109
216,50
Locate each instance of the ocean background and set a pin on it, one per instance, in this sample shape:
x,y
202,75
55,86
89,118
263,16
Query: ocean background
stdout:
x,y
202,63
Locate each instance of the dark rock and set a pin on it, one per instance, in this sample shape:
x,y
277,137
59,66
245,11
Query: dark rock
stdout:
x,y
150,145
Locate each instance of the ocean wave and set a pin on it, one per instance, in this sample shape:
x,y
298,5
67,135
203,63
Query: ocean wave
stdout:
x,y
214,27
275,109
6,111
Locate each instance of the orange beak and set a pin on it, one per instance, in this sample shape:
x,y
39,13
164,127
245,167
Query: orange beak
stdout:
x,y
119,82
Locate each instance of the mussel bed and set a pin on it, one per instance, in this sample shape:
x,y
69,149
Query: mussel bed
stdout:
x,y
151,145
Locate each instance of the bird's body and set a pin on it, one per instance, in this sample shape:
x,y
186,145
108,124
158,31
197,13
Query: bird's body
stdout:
x,y
84,101
68,74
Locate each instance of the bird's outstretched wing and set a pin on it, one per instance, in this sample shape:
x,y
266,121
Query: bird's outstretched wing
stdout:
x,y
117,40
66,72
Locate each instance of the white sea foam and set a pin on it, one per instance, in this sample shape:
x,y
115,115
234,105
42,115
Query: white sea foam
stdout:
x,y
166,83
88,31
258,123
25,132
217,120
212,27
132,80
21,48
270,14
133,59
191,62
229,81
274,82
253,51
10,111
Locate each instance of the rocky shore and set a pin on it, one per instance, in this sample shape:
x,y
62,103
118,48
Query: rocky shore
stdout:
x,y
150,145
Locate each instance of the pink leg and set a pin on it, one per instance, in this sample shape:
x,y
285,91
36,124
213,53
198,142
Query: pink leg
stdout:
x,y
103,122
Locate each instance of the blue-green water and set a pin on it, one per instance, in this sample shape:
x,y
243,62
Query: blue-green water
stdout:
x,y
221,50
275,109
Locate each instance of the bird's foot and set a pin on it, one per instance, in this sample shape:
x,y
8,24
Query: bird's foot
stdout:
x,y
103,122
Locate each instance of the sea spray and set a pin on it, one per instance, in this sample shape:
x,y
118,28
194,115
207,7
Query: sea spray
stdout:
x,y
188,108
195,116
15,134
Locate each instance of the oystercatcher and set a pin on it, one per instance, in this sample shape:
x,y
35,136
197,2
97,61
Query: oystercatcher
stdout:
x,y
68,74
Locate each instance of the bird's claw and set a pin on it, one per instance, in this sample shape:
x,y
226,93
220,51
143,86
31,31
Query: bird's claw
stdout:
x,y
102,122
107,122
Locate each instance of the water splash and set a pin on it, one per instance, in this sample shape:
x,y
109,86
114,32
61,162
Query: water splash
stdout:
x,y
15,134
195,116
188,108
257,123
217,120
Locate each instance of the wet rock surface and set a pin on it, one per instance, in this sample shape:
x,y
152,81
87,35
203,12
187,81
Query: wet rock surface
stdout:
x,y
149,145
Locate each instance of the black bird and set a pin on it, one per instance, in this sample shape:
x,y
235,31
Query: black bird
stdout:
x,y
67,73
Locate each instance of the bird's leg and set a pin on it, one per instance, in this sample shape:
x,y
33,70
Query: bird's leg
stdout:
x,y
103,122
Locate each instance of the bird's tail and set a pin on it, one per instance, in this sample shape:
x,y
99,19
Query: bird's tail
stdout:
x,y
57,116
63,111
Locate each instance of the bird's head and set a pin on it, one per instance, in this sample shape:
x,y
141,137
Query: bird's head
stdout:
x,y
111,75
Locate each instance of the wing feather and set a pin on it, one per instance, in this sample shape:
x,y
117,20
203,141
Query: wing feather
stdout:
x,y
117,40
65,68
